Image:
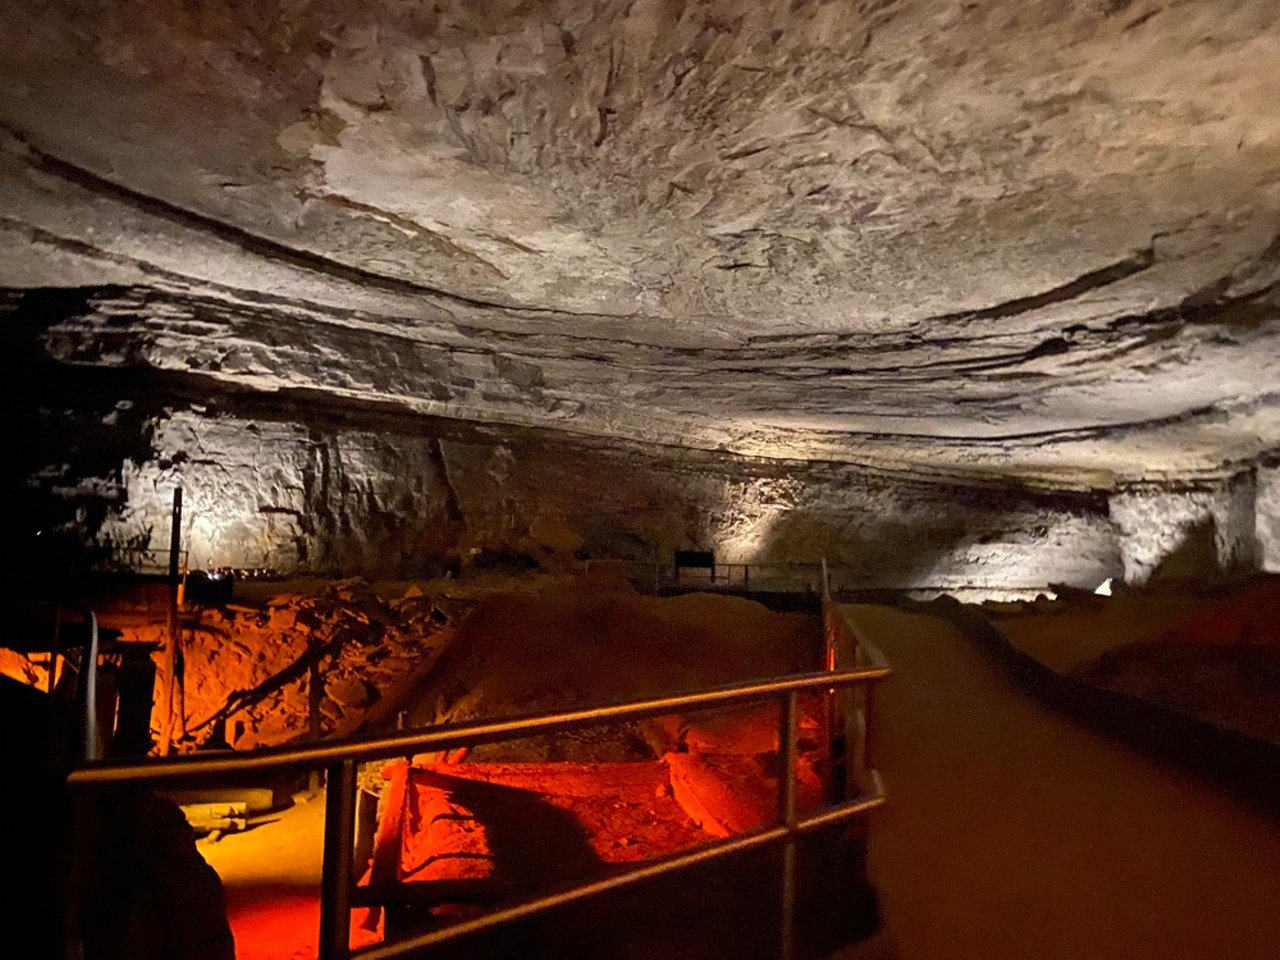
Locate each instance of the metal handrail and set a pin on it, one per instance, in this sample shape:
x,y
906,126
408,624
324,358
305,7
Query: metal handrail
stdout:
x,y
451,736
341,757
801,576
89,690
734,845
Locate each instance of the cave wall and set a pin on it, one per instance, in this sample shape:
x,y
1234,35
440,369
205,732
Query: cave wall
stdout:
x,y
301,486
1198,530
355,491
1268,516
291,255
283,496
298,479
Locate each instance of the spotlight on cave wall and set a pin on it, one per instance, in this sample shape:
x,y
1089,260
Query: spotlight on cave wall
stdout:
x,y
747,526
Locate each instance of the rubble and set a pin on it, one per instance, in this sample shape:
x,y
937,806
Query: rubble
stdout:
x,y
247,668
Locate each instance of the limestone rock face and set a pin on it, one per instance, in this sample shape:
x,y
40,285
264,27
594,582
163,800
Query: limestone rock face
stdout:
x,y
1030,243
1267,516
1190,532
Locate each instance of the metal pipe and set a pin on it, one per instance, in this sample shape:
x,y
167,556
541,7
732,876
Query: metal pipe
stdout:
x,y
337,872
314,697
89,683
846,811
446,737
57,647
171,653
658,868
499,918
789,748
868,726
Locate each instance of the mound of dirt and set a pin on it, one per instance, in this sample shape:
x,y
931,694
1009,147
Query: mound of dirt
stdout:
x,y
595,640
1249,616
247,669
1220,662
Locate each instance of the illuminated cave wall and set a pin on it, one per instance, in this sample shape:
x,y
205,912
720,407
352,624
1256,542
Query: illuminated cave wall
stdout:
x,y
1197,531
1268,516
303,484
357,492
283,496
1029,241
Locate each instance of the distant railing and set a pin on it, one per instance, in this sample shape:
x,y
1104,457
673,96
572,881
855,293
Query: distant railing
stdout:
x,y
762,577
801,577
340,758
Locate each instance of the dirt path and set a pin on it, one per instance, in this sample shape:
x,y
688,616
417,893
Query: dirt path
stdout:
x,y
272,880
1014,834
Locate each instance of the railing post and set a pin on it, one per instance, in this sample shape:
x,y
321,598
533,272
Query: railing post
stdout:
x,y
868,726
837,701
172,653
337,870
91,747
789,747
57,647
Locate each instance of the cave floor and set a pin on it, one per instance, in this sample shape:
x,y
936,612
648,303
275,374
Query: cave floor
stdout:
x,y
1012,832
271,875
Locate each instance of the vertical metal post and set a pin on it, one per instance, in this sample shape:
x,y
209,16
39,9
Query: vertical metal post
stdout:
x,y
868,725
89,685
76,851
837,703
789,747
858,723
339,854
57,648
171,655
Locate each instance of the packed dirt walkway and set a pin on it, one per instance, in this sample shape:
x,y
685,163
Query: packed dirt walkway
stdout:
x,y
1013,833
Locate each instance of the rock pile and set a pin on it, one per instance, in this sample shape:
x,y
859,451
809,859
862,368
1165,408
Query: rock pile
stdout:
x,y
248,669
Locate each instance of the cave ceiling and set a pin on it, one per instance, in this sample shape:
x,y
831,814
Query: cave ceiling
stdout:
x,y
1034,239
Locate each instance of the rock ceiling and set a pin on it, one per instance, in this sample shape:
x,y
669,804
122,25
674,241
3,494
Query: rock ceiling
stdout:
x,y
1037,238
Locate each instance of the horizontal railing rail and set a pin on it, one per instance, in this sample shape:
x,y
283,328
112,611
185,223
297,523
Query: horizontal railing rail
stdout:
x,y
793,577
451,736
340,759
755,840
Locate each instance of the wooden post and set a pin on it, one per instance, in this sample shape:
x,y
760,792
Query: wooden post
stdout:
x,y
171,651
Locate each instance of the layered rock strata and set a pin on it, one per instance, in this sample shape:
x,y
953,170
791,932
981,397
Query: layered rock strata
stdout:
x,y
929,280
